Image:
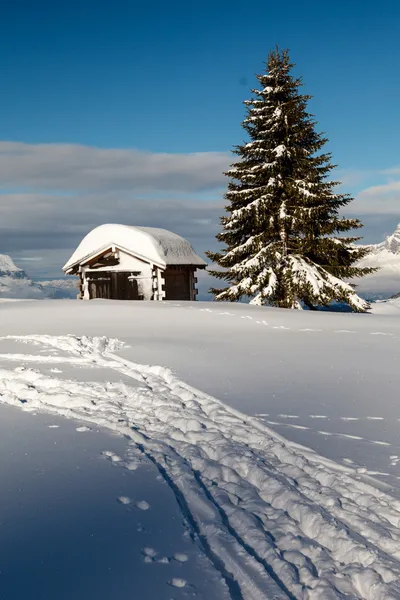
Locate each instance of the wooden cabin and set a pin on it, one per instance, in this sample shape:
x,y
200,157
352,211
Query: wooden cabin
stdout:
x,y
122,262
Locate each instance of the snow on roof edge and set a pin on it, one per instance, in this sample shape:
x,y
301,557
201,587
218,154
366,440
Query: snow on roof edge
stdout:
x,y
156,245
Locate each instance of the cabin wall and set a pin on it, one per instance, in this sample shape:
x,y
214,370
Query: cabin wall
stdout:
x,y
128,263
179,283
151,282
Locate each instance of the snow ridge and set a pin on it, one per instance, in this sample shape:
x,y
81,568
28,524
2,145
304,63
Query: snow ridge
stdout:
x,y
277,520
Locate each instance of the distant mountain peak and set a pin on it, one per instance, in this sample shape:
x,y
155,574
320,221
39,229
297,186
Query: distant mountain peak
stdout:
x,y
15,283
7,265
384,256
392,242
389,246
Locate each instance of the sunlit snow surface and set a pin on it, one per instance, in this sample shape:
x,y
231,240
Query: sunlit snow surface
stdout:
x,y
271,518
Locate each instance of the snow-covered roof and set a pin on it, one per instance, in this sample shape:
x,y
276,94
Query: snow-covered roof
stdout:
x,y
156,245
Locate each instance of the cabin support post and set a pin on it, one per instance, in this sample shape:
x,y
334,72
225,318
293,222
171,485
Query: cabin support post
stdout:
x,y
160,291
86,292
157,284
192,285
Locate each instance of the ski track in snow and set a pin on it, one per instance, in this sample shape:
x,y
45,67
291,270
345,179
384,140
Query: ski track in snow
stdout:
x,y
275,519
393,459
285,328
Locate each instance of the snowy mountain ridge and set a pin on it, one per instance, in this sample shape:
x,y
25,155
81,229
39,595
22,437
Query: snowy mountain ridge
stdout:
x,y
9,268
390,244
385,256
15,283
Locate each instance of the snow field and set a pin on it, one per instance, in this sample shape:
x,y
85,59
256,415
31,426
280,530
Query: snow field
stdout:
x,y
53,477
274,518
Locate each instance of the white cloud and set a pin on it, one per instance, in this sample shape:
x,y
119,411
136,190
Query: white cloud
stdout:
x,y
378,199
352,177
71,166
392,171
53,194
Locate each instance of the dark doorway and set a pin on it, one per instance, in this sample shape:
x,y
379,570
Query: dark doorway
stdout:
x,y
177,283
124,287
113,285
99,285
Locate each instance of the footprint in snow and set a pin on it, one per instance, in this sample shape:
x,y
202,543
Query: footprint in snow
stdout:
x,y
143,505
177,582
380,333
112,456
380,443
132,466
149,554
124,500
180,557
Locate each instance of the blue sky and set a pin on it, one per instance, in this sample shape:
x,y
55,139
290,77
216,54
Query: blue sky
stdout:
x,y
137,79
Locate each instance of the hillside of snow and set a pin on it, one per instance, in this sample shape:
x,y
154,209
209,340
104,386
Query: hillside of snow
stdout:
x,y
273,432
16,284
386,257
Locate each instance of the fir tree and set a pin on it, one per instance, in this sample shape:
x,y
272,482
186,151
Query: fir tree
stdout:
x,y
281,230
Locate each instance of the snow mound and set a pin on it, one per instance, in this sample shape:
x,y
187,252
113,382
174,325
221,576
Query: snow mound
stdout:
x,y
158,245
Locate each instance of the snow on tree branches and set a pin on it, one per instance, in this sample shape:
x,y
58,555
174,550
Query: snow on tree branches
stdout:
x,y
281,230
